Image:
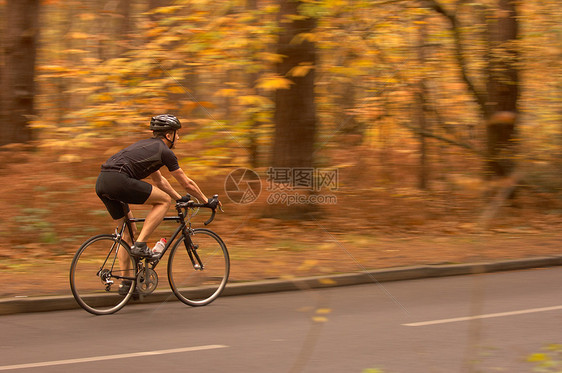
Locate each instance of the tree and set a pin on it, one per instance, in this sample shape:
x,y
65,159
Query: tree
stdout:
x,y
503,88
18,74
420,98
497,96
295,113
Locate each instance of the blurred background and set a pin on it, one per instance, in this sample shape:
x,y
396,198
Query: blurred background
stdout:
x,y
442,118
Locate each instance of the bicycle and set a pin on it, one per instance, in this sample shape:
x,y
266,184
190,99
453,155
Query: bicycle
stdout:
x,y
197,274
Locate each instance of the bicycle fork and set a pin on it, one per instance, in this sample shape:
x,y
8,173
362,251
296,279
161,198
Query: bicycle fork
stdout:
x,y
191,249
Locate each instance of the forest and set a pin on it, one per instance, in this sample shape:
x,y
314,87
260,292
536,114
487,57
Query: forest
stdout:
x,y
340,134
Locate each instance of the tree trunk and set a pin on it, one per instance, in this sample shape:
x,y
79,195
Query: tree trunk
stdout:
x,y
346,122
423,179
18,86
123,29
295,118
499,101
251,78
503,89
295,113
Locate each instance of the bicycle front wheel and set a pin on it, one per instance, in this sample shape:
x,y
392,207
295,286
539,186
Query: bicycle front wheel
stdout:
x,y
199,279
99,267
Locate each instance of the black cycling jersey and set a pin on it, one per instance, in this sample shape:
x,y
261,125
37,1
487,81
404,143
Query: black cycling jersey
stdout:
x,y
142,159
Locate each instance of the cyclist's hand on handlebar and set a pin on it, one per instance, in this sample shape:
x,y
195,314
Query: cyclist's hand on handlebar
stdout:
x,y
185,198
214,202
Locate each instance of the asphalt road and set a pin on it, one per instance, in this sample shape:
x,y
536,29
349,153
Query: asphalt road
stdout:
x,y
479,323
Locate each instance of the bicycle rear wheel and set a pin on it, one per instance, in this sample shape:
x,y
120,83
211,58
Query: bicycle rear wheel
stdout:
x,y
99,267
193,284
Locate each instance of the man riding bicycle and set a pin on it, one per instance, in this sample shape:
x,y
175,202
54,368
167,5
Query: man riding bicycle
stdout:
x,y
120,180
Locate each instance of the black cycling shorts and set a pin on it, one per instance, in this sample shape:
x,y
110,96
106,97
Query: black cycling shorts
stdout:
x,y
117,190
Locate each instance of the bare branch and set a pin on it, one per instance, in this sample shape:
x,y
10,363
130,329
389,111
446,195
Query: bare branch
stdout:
x,y
441,138
459,49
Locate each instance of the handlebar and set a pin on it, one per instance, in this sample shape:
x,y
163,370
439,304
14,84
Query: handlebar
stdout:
x,y
180,204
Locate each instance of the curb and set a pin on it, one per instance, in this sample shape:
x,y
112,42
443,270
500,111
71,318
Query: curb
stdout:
x,y
59,303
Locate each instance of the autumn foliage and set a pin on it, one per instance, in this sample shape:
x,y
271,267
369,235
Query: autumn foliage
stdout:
x,y
441,116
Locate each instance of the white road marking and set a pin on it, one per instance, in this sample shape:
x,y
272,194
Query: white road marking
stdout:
x,y
110,357
487,316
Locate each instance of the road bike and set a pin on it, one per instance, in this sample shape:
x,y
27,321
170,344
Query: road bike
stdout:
x,y
104,275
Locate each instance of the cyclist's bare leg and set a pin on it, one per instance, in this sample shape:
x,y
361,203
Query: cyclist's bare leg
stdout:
x,y
160,202
122,255
126,235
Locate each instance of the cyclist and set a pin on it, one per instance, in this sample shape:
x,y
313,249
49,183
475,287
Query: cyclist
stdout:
x,y
120,180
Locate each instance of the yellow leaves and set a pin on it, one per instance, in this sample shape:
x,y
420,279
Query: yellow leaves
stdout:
x,y
273,82
308,264
356,67
327,281
176,89
155,31
226,92
547,359
75,51
166,9
167,39
270,57
335,3
293,17
70,158
71,141
52,68
42,125
104,97
304,36
189,106
538,357
271,9
79,35
318,317
301,70
254,100
87,16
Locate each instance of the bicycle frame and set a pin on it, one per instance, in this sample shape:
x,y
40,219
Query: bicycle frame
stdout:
x,y
138,275
183,228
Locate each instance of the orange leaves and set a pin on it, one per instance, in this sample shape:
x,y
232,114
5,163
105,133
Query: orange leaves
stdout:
x,y
154,31
273,82
79,35
87,16
301,70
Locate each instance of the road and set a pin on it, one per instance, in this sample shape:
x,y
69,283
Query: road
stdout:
x,y
479,323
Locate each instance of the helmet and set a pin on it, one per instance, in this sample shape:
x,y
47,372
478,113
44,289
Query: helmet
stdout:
x,y
165,122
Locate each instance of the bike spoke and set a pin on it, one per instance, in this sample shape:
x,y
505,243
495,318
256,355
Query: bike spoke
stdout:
x,y
97,271
198,276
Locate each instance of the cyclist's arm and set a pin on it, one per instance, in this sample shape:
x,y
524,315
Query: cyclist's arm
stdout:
x,y
164,184
189,185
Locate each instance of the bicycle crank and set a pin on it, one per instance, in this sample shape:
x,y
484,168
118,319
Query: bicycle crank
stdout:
x,y
147,280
